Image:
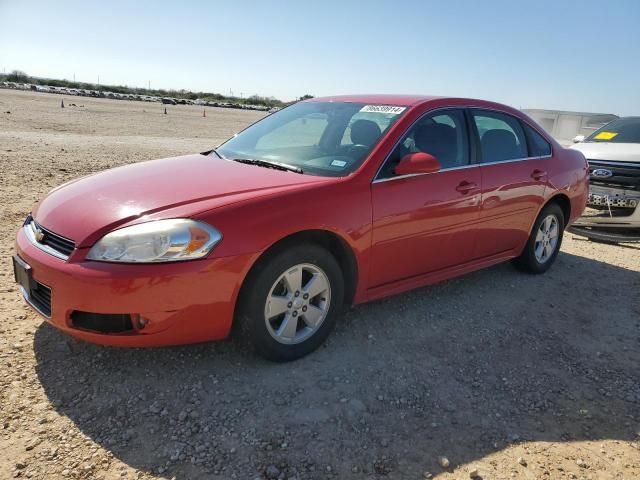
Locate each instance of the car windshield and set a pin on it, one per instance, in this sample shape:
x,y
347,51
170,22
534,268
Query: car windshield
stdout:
x,y
622,130
321,138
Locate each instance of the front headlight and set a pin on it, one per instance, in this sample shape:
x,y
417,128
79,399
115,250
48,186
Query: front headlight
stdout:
x,y
156,241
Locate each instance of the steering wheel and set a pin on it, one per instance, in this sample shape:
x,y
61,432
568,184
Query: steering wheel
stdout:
x,y
356,149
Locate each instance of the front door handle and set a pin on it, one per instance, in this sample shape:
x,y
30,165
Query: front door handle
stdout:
x,y
466,187
538,174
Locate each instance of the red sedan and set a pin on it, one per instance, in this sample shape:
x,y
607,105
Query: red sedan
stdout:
x,y
328,202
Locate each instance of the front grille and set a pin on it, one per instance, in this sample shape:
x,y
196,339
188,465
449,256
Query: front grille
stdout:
x,y
40,298
624,175
611,201
50,239
55,241
597,211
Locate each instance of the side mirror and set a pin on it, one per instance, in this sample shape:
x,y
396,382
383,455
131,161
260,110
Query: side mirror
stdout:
x,y
419,162
578,139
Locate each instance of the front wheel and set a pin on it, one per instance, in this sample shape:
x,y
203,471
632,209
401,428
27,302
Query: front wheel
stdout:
x,y
289,305
544,242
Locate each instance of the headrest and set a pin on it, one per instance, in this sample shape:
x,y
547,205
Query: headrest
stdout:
x,y
435,137
365,132
498,145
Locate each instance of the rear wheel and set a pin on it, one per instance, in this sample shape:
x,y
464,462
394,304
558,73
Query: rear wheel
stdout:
x,y
289,305
544,243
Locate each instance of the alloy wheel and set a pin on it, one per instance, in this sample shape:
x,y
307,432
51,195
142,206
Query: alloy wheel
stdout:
x,y
297,304
547,239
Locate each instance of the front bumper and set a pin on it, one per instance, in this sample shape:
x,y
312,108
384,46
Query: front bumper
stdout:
x,y
611,208
182,302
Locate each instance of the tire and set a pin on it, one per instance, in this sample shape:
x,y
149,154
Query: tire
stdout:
x,y
308,318
531,260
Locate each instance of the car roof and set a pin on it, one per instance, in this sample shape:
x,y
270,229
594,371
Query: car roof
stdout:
x,y
378,99
415,100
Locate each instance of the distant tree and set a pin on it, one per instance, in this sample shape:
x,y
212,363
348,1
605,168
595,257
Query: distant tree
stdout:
x,y
17,76
21,77
306,97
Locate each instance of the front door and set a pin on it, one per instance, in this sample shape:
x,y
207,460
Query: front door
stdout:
x,y
425,223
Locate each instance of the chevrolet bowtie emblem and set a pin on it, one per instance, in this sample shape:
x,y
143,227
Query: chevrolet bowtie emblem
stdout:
x,y
39,234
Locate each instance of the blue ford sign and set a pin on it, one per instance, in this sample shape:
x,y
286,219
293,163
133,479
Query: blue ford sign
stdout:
x,y
602,173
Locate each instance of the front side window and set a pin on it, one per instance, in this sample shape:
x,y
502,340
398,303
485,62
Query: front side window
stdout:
x,y
622,130
442,134
321,138
501,136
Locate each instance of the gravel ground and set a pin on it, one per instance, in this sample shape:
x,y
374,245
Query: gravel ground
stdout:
x,y
495,375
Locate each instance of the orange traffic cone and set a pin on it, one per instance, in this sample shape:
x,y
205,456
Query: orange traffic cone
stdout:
x,y
62,103
204,112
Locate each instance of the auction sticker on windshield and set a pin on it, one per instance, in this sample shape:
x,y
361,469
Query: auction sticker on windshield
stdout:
x,y
383,109
606,135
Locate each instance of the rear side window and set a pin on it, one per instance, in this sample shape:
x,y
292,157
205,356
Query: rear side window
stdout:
x,y
501,136
538,146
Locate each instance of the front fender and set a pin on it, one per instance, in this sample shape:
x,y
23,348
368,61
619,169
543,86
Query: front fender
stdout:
x,y
252,227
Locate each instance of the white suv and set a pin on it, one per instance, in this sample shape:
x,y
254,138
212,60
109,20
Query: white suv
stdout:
x,y
613,153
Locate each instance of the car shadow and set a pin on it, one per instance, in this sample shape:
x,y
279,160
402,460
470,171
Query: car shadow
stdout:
x,y
463,369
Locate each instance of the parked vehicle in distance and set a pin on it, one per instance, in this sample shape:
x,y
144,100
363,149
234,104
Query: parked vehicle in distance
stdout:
x,y
328,202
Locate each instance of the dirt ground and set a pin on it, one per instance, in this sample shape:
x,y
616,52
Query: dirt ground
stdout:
x,y
514,376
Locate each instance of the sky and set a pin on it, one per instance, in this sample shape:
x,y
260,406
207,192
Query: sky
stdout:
x,y
560,54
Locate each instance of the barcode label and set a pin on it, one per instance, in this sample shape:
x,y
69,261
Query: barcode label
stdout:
x,y
393,110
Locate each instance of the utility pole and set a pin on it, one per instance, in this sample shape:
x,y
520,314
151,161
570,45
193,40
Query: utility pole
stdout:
x,y
149,85
98,79
74,77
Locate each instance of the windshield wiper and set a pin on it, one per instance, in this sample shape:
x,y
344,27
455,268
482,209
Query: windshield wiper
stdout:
x,y
269,164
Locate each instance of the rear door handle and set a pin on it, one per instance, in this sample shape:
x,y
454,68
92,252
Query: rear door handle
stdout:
x,y
538,174
466,187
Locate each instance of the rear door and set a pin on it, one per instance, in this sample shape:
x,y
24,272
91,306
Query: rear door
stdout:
x,y
424,223
514,176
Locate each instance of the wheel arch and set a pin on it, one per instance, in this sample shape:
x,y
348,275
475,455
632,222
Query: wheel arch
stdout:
x,y
331,241
563,201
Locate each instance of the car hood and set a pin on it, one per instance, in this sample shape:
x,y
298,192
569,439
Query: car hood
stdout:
x,y
618,152
85,209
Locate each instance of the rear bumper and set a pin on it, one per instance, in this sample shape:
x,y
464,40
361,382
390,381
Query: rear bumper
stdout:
x,y
182,302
